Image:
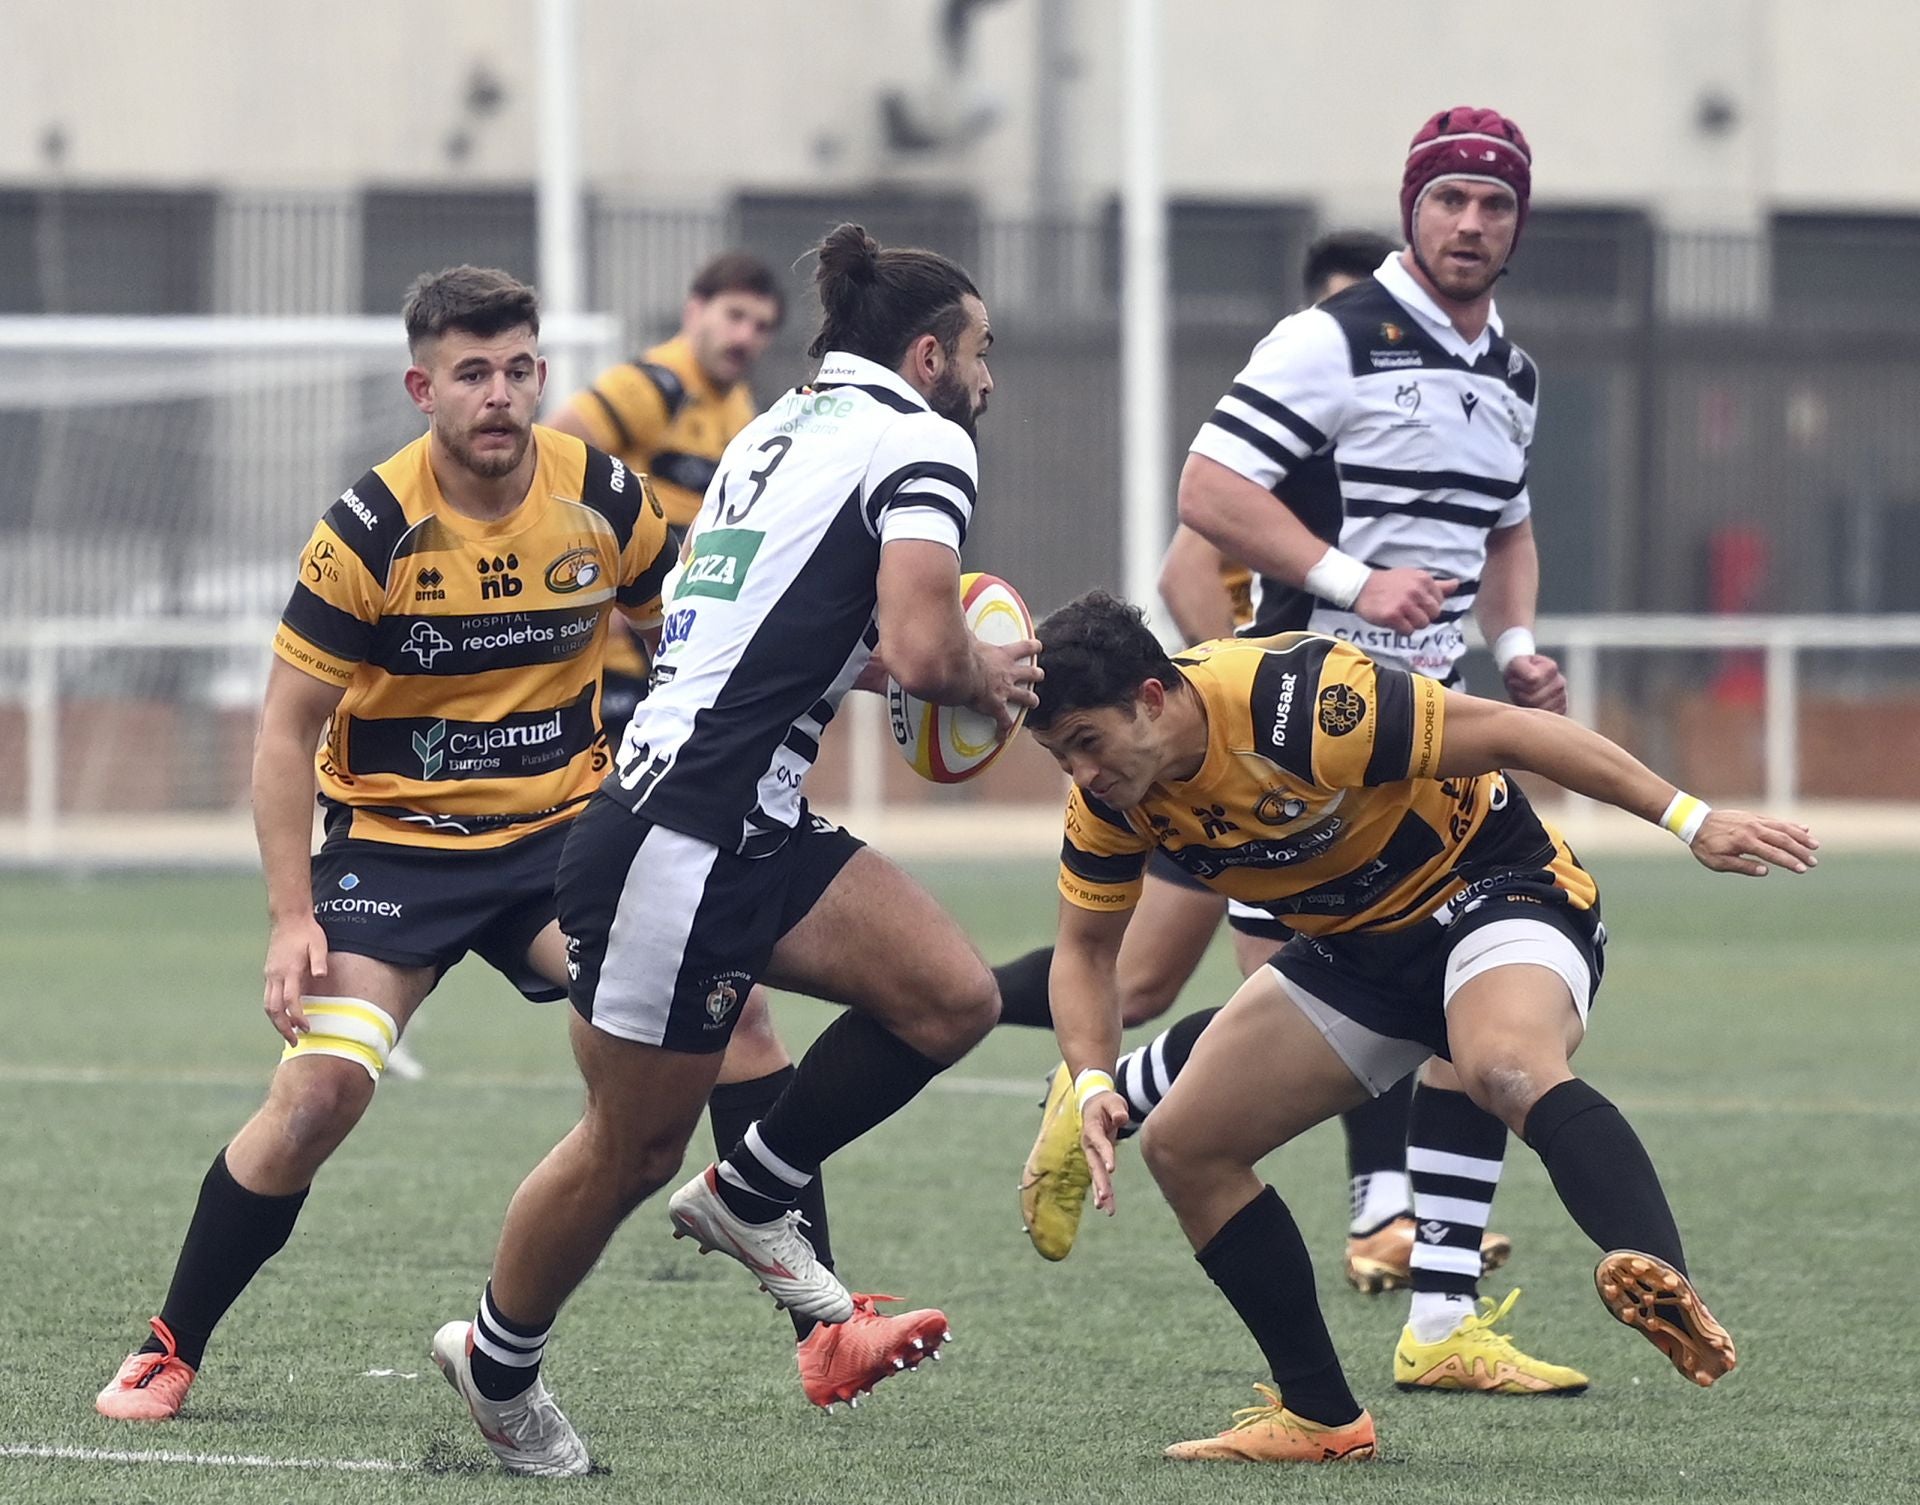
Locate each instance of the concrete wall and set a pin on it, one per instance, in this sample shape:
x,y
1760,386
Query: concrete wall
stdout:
x,y
686,99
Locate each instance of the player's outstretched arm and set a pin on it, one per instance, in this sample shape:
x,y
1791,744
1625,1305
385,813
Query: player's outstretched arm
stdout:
x,y
291,722
1483,735
924,636
1085,996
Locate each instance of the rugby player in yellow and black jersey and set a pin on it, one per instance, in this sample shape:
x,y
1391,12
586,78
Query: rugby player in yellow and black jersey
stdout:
x,y
672,411
1431,911
446,633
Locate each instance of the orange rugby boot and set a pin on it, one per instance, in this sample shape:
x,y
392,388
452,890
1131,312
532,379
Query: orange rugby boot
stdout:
x,y
843,1361
1383,1260
1649,1294
149,1386
1270,1433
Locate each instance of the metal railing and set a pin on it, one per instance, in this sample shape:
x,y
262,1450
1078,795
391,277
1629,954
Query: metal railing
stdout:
x,y
1580,641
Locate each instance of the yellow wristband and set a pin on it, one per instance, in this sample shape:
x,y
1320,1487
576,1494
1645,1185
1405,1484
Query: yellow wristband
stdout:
x,y
1685,816
1090,1081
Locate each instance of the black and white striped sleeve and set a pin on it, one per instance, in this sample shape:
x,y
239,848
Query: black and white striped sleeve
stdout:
x,y
921,482
1286,404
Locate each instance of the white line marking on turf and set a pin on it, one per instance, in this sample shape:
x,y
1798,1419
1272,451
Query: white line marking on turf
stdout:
x,y
1031,1088
206,1460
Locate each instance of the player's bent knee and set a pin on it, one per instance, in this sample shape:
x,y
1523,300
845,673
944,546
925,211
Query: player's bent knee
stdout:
x,y
1506,1086
963,1014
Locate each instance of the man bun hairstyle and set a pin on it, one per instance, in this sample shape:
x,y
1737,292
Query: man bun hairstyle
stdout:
x,y
875,302
480,301
1097,652
740,272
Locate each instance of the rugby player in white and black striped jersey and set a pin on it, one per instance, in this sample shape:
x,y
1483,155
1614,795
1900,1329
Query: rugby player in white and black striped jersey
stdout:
x,y
832,528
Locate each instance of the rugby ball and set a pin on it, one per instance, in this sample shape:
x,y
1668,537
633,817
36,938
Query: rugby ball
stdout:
x,y
950,743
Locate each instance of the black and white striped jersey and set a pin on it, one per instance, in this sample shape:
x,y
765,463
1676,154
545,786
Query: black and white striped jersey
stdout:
x,y
769,616
1430,434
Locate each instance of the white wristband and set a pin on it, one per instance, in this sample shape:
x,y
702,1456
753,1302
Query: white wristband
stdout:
x,y
1338,578
1685,815
1515,642
1090,1081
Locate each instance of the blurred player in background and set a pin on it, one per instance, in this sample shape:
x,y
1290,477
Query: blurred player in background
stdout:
x,y
834,524
1407,384
1433,912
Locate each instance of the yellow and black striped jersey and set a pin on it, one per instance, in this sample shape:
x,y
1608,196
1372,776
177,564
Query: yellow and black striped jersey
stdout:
x,y
662,416
471,651
1317,799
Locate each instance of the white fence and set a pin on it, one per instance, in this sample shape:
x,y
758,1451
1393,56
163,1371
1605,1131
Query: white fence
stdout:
x,y
44,663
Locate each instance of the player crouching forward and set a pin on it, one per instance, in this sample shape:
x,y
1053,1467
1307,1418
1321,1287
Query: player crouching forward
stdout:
x,y
1433,912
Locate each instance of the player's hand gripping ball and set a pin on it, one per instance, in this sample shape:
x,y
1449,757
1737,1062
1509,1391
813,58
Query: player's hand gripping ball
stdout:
x,y
951,743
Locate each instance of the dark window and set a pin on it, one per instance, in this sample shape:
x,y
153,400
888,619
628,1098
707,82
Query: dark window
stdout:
x,y
1589,259
106,251
1846,264
1226,260
413,230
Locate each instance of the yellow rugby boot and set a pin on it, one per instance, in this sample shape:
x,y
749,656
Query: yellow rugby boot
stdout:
x,y
1475,1357
1649,1294
1053,1187
1270,1433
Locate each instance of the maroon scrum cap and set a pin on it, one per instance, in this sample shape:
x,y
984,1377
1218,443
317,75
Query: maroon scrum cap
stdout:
x,y
1480,145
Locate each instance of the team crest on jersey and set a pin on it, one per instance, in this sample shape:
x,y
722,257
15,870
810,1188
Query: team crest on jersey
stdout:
x,y
723,997
1342,708
1278,808
1393,334
573,571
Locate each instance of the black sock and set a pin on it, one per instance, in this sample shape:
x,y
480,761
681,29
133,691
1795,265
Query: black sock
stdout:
x,y
1602,1173
1261,1265
1023,989
1377,1132
233,1233
1145,1075
855,1077
506,1354
1455,1152
731,1110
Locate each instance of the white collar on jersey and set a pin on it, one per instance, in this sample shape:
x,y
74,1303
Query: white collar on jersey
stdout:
x,y
1410,295
837,367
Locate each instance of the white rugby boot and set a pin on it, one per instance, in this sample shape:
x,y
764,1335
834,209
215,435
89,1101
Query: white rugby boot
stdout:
x,y
528,1434
777,1253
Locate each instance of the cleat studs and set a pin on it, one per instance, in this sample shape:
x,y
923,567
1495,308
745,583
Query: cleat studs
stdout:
x,y
899,1363
853,1403
947,1336
919,1343
935,1356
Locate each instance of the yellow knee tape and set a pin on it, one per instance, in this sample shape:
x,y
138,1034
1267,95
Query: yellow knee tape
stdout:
x,y
350,1028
